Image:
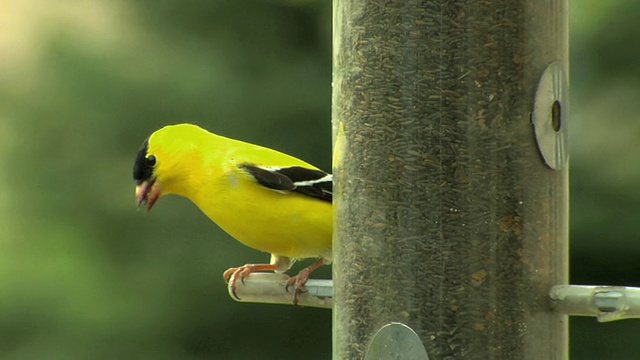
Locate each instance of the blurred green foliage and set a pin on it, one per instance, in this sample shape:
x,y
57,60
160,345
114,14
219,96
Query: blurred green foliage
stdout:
x,y
85,276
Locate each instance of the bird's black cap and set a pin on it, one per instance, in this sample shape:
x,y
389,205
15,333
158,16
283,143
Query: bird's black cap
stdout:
x,y
143,168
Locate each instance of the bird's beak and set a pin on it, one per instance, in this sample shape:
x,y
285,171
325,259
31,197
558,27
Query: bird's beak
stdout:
x,y
148,192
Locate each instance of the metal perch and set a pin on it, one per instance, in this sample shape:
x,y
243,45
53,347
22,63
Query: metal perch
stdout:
x,y
269,288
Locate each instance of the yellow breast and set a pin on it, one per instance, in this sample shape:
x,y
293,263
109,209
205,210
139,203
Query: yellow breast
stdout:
x,y
282,223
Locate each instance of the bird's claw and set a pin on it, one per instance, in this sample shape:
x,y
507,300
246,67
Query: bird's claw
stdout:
x,y
297,282
232,275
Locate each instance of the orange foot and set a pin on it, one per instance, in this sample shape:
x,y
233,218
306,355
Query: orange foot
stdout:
x,y
240,273
299,280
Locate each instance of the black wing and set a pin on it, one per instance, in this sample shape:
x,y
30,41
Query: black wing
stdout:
x,y
314,183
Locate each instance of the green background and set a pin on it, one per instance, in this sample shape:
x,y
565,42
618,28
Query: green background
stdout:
x,y
83,275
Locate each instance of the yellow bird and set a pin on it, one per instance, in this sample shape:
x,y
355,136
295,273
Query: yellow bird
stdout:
x,y
268,200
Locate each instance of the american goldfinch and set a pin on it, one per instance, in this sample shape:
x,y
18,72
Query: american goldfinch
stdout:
x,y
266,199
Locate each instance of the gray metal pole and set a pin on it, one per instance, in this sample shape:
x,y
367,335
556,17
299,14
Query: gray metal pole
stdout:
x,y
451,192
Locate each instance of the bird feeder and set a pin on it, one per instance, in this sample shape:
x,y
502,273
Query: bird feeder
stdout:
x,y
451,186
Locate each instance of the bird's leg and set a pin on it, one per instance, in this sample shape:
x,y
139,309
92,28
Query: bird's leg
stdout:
x,y
299,280
232,275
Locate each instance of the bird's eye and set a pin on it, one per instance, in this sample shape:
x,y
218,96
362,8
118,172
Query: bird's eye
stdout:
x,y
151,161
